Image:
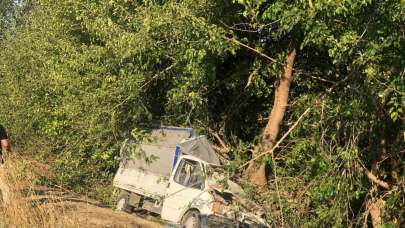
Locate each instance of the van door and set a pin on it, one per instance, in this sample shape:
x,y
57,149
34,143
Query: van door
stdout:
x,y
185,190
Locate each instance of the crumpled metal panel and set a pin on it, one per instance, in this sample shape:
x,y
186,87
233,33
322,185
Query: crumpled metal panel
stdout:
x,y
201,148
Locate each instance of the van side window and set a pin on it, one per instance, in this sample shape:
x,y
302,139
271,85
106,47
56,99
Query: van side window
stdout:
x,y
189,174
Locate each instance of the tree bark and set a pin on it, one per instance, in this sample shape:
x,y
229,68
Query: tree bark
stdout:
x,y
272,129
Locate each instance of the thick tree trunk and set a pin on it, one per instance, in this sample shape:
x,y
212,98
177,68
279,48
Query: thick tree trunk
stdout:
x,y
272,129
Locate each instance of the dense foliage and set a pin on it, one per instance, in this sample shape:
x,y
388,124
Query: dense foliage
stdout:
x,y
7,11
77,76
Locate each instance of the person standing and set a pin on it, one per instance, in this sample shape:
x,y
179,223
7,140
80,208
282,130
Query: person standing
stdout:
x,y
5,144
5,147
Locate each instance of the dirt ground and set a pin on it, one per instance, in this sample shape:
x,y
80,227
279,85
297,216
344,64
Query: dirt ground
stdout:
x,y
88,215
91,216
20,206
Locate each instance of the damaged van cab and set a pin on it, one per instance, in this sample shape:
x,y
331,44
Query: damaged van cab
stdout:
x,y
177,175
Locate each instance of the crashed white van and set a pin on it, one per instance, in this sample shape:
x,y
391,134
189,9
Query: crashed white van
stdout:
x,y
181,183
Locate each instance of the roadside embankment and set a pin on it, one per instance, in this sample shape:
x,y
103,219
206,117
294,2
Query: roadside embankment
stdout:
x,y
25,204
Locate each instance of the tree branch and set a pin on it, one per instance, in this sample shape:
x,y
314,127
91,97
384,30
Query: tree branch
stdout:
x,y
373,178
279,141
147,83
254,50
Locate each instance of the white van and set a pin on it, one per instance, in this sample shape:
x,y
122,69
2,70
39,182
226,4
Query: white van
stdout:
x,y
178,178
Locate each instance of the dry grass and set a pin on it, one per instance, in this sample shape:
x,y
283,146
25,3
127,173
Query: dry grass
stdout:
x,y
29,205
26,205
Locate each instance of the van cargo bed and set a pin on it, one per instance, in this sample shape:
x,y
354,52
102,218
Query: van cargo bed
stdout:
x,y
151,179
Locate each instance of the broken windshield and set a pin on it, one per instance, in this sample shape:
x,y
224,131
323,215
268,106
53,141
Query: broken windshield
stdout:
x,y
189,174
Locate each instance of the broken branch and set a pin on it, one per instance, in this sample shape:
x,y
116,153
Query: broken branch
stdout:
x,y
279,141
373,178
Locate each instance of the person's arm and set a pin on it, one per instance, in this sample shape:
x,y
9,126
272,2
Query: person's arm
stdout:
x,y
5,144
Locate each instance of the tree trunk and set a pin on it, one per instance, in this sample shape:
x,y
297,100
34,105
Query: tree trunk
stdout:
x,y
272,129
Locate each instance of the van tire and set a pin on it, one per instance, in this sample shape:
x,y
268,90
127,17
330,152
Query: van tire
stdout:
x,y
123,202
191,219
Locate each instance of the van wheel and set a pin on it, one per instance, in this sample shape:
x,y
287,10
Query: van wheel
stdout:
x,y
122,202
191,220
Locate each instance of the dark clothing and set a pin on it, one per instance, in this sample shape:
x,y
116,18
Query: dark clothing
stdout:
x,y
3,133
